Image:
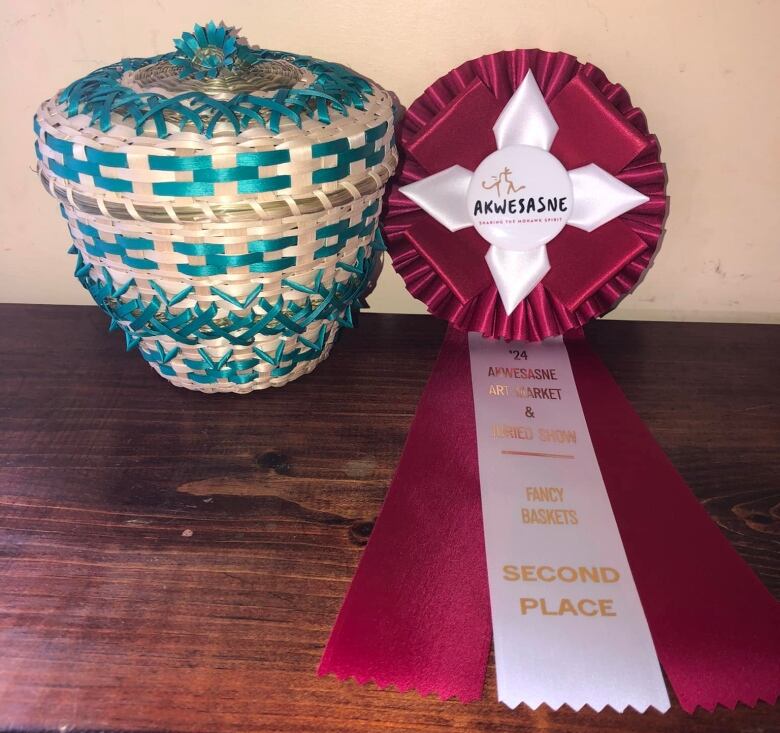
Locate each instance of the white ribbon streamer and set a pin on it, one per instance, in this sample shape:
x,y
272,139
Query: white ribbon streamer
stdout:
x,y
568,625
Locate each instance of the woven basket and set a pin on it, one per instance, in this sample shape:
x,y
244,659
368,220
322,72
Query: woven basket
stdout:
x,y
222,202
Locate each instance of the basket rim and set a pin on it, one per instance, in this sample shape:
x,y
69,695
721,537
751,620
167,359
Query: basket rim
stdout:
x,y
159,210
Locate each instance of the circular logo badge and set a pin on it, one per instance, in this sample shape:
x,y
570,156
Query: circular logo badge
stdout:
x,y
519,198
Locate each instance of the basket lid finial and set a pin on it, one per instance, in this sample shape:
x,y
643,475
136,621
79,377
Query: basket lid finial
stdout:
x,y
206,51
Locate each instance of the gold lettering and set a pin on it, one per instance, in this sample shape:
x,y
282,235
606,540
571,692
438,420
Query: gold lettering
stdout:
x,y
545,573
609,575
527,573
586,602
557,436
549,516
566,606
605,607
512,431
551,494
528,604
588,607
510,572
589,574
562,573
538,393
567,574
522,373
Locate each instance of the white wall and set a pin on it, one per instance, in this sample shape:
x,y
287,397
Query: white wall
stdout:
x,y
704,72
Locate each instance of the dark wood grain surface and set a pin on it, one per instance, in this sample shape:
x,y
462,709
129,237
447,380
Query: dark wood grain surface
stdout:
x,y
171,561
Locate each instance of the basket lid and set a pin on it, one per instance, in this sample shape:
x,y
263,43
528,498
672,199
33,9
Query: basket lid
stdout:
x,y
270,123
214,80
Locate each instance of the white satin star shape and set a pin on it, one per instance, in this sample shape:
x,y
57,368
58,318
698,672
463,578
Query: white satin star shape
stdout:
x,y
594,196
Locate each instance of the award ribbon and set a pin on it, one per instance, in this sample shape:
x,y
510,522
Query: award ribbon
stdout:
x,y
530,200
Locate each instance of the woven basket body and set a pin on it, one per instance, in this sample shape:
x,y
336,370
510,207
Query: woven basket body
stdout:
x,y
227,224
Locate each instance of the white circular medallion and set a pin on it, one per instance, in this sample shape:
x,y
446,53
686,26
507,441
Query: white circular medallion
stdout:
x,y
519,198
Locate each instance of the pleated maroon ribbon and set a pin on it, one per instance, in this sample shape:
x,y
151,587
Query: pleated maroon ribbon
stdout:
x,y
451,123
417,613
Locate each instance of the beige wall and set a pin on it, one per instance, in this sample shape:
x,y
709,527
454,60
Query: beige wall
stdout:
x,y
704,72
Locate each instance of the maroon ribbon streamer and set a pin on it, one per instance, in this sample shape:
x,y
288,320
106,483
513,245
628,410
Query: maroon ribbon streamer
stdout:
x,y
716,628
417,613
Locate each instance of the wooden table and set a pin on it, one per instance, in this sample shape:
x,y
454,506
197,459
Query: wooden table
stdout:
x,y
171,561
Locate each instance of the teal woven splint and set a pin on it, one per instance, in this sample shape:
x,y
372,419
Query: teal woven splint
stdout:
x,y
148,321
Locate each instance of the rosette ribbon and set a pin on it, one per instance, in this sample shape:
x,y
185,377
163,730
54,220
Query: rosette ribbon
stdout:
x,y
597,198
590,127
417,615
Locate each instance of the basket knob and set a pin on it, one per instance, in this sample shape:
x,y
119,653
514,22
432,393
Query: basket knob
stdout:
x,y
206,51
